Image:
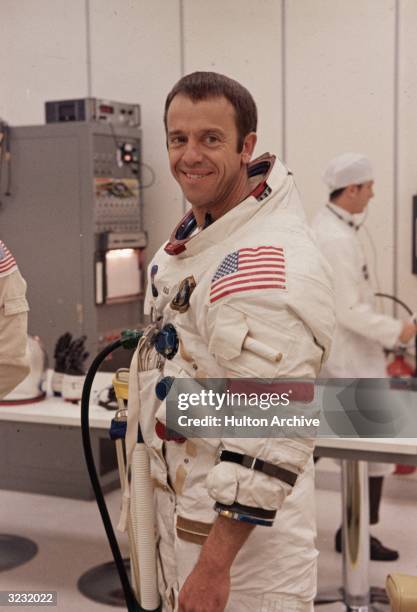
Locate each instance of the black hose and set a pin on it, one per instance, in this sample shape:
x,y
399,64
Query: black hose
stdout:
x,y
131,602
395,299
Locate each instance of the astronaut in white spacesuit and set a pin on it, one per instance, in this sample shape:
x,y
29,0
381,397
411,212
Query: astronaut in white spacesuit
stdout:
x,y
240,290
361,332
14,362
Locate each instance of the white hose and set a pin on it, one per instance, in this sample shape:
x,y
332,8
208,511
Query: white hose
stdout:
x,y
143,523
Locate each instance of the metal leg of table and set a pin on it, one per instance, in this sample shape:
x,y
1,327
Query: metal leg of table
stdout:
x,y
355,534
358,595
356,592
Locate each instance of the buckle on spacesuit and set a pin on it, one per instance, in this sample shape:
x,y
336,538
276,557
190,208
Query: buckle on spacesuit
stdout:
x,y
247,514
259,465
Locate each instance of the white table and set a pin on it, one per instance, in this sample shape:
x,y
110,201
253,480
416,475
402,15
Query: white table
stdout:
x,y
355,453
391,450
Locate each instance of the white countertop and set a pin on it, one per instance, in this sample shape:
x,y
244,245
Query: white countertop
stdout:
x,y
406,446
56,411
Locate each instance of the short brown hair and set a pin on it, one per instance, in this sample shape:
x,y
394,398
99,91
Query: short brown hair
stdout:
x,y
338,192
203,85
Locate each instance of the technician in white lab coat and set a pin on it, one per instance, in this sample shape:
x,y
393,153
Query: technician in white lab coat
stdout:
x,y
361,332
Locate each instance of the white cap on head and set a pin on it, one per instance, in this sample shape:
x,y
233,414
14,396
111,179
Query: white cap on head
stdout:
x,y
348,169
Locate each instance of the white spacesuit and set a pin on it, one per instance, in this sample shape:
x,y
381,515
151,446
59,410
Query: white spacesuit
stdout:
x,y
249,296
14,363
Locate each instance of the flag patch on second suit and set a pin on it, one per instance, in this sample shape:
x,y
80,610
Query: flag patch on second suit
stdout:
x,y
249,269
7,261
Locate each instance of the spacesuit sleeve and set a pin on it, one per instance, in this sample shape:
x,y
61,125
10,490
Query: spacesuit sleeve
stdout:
x,y
259,337
14,365
351,311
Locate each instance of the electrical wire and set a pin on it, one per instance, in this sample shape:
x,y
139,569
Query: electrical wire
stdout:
x,y
377,282
374,256
139,163
5,156
373,249
2,148
8,159
153,175
396,300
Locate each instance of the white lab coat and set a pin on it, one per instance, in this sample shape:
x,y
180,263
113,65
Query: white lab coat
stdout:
x,y
361,332
294,319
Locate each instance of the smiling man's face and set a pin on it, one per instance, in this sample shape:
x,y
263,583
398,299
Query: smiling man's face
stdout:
x,y
202,147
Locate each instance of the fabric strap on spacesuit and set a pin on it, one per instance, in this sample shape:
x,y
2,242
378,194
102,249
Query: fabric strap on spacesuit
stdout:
x,y
192,531
254,463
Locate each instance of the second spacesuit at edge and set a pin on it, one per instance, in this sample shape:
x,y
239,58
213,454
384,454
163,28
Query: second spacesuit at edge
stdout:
x,y
258,303
14,362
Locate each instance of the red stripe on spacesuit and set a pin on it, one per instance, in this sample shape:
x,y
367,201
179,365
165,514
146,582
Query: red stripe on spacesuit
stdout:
x,y
263,279
7,264
249,266
246,289
227,280
8,261
258,258
266,252
299,391
263,248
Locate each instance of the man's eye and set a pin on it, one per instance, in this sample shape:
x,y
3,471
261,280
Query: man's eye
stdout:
x,y
212,139
177,140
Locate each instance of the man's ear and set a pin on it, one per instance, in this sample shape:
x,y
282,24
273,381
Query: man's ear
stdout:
x,y
248,147
351,190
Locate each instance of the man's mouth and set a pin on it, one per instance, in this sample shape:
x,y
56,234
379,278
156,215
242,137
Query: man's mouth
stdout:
x,y
194,176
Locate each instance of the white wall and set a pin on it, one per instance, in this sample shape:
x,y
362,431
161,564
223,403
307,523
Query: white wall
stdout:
x,y
340,95
339,85
244,41
407,148
42,56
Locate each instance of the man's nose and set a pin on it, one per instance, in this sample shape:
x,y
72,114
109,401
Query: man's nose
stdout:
x,y
192,154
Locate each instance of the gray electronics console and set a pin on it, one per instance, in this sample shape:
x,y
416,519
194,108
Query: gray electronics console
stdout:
x,y
93,109
76,196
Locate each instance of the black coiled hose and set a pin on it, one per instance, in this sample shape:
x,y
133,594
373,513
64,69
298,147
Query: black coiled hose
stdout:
x,y
128,340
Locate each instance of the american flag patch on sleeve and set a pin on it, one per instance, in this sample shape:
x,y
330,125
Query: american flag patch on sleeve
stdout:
x,y
248,270
7,261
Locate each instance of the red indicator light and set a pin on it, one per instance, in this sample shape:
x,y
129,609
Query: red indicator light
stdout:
x,y
106,108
